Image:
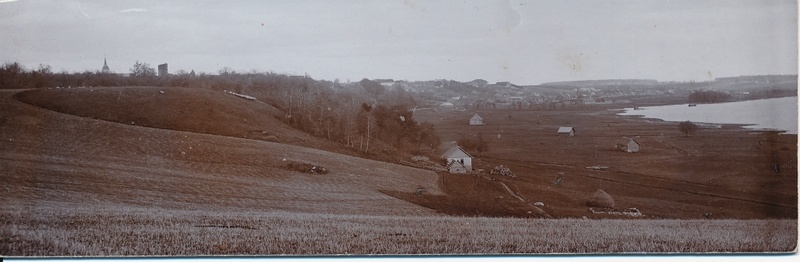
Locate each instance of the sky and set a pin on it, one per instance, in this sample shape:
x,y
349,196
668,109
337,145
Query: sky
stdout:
x,y
524,42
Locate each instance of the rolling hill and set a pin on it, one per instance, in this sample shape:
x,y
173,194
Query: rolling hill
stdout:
x,y
186,150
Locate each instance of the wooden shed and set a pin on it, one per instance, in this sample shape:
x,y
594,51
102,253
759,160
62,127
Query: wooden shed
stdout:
x,y
566,131
476,120
628,145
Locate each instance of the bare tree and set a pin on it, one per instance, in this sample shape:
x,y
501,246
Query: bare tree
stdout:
x,y
142,69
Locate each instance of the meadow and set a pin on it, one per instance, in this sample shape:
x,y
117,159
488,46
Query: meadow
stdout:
x,y
116,231
724,170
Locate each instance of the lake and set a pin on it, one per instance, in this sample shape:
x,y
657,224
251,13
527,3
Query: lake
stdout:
x,y
774,113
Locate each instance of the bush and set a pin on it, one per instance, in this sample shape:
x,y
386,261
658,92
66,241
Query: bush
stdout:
x,y
305,167
600,199
687,127
473,143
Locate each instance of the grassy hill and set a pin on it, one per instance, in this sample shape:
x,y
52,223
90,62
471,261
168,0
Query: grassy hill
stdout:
x,y
181,109
55,159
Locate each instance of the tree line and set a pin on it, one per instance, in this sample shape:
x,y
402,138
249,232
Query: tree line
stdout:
x,y
364,115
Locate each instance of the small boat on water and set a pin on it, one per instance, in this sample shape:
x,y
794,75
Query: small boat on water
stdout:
x,y
691,105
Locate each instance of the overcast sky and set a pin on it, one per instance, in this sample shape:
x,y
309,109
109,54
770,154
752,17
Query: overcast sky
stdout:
x,y
525,42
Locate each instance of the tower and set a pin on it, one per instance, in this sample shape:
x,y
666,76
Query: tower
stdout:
x,y
163,70
105,69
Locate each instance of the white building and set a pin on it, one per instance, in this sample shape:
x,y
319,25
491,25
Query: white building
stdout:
x,y
458,160
476,120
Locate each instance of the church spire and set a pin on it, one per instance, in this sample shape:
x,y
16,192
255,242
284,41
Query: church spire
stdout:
x,y
105,69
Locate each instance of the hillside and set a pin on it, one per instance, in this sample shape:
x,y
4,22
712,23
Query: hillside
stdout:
x,y
182,109
52,160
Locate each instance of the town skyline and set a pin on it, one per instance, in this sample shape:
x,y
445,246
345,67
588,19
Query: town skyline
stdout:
x,y
523,42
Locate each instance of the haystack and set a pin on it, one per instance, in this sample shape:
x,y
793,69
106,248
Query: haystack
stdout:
x,y
600,199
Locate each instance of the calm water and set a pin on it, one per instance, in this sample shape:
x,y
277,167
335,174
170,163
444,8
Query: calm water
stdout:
x,y
774,113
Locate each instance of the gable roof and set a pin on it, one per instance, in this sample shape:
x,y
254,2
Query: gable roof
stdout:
x,y
476,117
456,163
626,141
565,129
456,152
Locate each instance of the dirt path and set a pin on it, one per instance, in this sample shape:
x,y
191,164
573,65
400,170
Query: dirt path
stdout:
x,y
512,192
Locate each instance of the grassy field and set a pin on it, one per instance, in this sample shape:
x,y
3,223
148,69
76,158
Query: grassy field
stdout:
x,y
136,231
76,186
723,170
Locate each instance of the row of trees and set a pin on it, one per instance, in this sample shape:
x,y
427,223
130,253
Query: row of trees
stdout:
x,y
16,76
357,115
708,97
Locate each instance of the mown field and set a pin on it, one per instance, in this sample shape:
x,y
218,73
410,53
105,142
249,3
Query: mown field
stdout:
x,y
78,186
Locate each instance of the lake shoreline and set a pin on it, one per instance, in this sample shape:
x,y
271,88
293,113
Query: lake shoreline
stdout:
x,y
756,115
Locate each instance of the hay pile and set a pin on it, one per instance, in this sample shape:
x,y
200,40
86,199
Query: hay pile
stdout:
x,y
503,171
600,199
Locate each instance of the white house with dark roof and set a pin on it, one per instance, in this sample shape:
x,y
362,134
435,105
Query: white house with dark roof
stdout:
x,y
458,161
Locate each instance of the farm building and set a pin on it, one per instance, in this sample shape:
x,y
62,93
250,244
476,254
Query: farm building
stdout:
x,y
476,120
458,160
566,131
628,145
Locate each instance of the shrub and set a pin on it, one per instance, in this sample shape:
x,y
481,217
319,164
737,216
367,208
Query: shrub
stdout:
x,y
305,167
687,127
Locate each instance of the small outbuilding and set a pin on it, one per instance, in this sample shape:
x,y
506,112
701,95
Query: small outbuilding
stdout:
x,y
628,145
566,131
476,120
458,161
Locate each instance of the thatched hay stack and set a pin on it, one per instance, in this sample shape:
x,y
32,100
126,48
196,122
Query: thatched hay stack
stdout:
x,y
600,199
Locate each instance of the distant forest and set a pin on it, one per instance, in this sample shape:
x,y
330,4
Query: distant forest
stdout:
x,y
366,116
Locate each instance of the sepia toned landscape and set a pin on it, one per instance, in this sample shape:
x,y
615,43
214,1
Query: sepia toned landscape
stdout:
x,y
143,160
96,171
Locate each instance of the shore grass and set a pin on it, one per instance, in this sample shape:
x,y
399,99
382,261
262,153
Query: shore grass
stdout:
x,y
156,232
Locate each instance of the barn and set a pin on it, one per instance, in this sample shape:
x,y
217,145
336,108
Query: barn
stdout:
x,y
476,120
566,131
628,145
458,161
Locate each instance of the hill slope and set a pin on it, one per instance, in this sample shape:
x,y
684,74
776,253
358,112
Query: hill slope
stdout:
x,y
61,161
182,109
